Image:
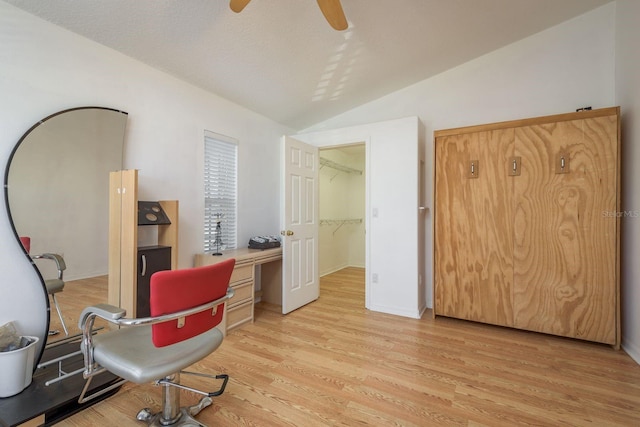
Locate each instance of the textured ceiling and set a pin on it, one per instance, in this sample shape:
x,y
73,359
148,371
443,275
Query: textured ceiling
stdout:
x,y
281,59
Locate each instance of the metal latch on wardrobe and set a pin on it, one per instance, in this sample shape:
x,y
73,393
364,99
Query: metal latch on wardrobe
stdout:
x,y
473,169
562,162
514,166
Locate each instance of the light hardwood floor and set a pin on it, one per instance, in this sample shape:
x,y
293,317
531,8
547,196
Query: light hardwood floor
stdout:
x,y
77,295
333,363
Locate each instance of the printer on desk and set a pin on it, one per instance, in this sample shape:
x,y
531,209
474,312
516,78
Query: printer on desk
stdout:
x,y
264,242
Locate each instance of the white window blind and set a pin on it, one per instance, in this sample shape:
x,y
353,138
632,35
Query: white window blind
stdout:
x,y
220,191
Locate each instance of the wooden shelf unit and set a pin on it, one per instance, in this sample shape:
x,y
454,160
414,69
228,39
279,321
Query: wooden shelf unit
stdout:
x,y
123,238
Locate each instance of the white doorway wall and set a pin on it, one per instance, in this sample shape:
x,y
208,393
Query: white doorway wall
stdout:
x,y
396,279
342,208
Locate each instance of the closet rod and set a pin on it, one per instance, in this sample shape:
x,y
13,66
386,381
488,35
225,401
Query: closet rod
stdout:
x,y
337,166
340,222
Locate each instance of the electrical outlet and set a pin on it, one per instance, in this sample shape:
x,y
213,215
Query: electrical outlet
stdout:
x,y
374,277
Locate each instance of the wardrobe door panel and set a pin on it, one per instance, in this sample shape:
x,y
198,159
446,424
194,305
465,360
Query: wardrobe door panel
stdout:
x,y
473,227
565,278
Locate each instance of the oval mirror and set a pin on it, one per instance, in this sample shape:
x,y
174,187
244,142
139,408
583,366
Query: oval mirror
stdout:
x,y
57,183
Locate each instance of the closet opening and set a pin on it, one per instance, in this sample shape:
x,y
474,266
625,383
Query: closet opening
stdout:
x,y
342,208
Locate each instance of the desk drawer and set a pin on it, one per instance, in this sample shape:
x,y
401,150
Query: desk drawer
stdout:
x,y
241,272
268,258
243,292
239,314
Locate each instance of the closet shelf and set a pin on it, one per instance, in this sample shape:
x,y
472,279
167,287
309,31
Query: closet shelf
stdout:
x,y
340,222
337,166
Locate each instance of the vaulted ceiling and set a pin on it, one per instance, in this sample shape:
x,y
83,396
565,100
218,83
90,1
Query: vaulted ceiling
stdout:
x,y
281,59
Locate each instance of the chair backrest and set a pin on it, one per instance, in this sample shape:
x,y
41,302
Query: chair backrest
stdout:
x,y
26,243
176,290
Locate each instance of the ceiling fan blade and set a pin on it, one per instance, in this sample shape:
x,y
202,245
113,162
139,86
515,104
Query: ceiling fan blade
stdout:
x,y
238,5
332,11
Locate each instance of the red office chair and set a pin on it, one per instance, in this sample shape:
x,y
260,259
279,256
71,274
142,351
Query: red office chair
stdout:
x,y
186,306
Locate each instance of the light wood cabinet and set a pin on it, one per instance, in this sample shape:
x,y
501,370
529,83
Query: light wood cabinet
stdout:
x,y
474,228
123,238
240,309
526,224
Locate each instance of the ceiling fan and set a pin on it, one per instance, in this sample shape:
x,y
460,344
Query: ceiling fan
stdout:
x,y
331,9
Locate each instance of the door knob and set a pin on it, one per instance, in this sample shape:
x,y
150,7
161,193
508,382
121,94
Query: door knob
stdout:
x,y
287,233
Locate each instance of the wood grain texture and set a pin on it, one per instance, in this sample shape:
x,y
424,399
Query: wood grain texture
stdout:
x,y
123,239
559,234
334,363
566,230
473,236
532,121
115,236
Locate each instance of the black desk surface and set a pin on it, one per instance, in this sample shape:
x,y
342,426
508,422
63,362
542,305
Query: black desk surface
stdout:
x,y
56,401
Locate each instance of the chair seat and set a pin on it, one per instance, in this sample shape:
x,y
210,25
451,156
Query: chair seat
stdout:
x,y
130,353
54,285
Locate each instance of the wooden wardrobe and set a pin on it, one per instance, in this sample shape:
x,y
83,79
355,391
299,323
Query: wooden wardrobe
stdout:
x,y
527,227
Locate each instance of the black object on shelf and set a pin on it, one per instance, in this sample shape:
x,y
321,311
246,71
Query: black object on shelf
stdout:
x,y
264,242
151,213
218,239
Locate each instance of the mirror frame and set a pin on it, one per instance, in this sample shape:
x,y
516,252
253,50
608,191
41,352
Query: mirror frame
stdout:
x,y
43,337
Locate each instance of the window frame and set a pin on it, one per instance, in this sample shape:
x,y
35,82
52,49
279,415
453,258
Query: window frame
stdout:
x,y
220,151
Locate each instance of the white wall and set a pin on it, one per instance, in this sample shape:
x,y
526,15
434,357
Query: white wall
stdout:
x,y
628,97
356,210
44,69
391,217
555,71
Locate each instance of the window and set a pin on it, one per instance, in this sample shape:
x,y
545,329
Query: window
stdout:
x,y
220,192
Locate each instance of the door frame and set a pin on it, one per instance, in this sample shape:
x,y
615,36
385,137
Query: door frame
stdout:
x,y
398,260
367,184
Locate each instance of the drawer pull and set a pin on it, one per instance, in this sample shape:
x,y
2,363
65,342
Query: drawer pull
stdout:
x,y
144,265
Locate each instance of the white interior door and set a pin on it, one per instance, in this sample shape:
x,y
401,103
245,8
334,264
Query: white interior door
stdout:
x,y
300,278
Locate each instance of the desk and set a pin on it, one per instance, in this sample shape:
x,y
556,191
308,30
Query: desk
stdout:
x,y
240,308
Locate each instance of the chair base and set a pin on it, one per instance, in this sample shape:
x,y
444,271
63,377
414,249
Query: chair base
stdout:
x,y
55,302
171,413
184,418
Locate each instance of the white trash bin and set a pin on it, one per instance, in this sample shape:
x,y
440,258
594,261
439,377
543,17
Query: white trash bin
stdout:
x,y
16,368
